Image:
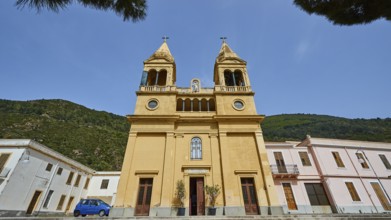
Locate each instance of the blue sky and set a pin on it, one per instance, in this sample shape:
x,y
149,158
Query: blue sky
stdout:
x,y
297,63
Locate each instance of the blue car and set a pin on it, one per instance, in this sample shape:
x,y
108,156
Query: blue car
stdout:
x,y
91,207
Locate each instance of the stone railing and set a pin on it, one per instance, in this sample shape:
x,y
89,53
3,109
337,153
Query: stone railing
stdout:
x,y
157,88
233,88
184,90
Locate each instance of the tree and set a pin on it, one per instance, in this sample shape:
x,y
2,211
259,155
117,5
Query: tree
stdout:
x,y
348,12
127,9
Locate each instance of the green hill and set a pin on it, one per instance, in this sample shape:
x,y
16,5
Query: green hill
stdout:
x,y
297,126
98,139
94,138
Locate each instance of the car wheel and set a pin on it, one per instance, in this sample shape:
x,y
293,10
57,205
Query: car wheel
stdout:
x,y
102,213
83,215
76,213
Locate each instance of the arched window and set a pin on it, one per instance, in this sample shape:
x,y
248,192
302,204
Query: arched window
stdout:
x,y
239,81
229,80
212,105
162,78
179,105
196,149
151,80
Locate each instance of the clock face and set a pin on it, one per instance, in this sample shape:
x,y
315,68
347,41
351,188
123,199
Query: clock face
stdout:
x,y
239,105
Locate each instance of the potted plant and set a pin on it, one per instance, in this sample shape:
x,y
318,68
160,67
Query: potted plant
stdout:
x,y
180,196
212,192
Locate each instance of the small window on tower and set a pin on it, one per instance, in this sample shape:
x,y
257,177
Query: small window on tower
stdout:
x,y
152,104
238,105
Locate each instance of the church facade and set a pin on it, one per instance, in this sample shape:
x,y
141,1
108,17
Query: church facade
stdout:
x,y
201,136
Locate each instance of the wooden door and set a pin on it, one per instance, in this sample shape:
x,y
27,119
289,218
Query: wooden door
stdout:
x,y
144,197
249,196
33,202
290,199
69,204
197,198
382,197
280,162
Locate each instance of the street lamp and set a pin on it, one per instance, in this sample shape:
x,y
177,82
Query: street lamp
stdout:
x,y
362,161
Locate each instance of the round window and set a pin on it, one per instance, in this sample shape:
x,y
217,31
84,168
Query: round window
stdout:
x,y
152,104
238,104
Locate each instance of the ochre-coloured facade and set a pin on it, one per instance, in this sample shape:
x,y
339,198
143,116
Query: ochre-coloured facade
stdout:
x,y
202,136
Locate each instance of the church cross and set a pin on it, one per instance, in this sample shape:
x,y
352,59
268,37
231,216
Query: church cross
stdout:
x,y
165,38
223,38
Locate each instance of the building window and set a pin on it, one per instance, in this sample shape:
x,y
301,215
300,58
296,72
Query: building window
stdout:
x,y
305,160
70,177
152,104
87,183
196,149
338,159
316,194
385,161
238,105
77,180
3,160
381,196
47,200
362,161
59,171
49,167
104,184
352,191
61,202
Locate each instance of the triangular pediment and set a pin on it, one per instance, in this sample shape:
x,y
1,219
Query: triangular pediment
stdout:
x,y
234,60
160,59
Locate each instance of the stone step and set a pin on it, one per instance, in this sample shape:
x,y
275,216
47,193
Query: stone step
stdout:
x,y
255,217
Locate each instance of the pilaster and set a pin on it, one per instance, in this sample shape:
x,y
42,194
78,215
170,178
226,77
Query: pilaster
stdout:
x,y
271,192
125,172
168,171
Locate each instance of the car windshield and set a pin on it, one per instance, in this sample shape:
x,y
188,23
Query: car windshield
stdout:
x,y
84,202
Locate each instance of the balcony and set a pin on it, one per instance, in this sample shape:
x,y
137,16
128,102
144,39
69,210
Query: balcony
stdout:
x,y
157,88
288,171
233,88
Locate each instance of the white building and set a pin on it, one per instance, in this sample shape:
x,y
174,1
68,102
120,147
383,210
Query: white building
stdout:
x,y
103,185
35,179
322,175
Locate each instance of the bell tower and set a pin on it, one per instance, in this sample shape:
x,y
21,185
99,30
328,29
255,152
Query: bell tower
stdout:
x,y
230,70
159,69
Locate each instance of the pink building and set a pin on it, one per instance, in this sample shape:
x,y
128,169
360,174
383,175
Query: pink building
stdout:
x,y
322,175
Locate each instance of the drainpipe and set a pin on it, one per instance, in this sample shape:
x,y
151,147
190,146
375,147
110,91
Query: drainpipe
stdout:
x,y
81,186
377,177
70,190
322,178
362,182
47,189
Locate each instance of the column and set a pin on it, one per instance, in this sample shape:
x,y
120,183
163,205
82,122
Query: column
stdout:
x,y
157,77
